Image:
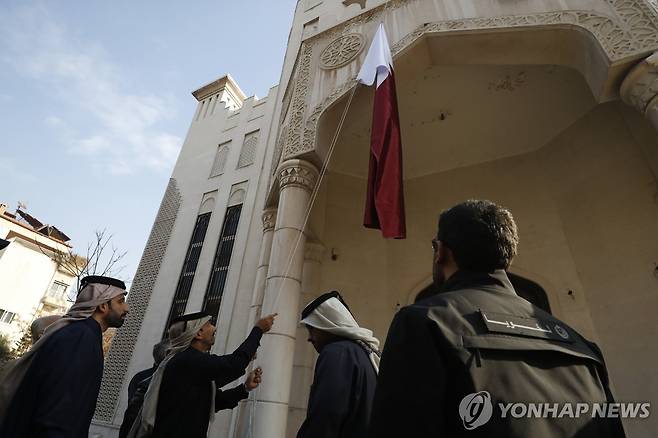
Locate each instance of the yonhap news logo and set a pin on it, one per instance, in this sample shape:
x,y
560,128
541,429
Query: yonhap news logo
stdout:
x,y
476,410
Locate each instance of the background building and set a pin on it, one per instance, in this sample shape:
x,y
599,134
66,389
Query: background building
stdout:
x,y
546,107
31,282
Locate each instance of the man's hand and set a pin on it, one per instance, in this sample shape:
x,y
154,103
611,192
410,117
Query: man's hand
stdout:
x,y
265,323
253,379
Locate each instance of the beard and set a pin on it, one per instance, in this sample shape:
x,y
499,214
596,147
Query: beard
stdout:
x,y
115,320
438,276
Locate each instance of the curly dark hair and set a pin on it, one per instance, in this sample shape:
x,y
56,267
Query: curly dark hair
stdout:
x,y
481,235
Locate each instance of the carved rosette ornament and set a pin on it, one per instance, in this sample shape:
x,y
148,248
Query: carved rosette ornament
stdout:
x,y
640,88
342,51
297,173
269,219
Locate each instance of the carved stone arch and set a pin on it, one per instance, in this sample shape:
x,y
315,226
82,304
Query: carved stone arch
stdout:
x,y
604,34
238,194
208,203
628,35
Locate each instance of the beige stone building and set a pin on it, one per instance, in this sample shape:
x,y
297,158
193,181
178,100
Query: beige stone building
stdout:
x,y
547,107
32,282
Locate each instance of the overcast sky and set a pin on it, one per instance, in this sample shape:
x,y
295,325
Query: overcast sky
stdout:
x,y
95,101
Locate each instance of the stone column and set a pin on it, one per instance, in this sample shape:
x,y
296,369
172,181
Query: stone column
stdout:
x,y
243,414
640,88
269,219
296,178
302,374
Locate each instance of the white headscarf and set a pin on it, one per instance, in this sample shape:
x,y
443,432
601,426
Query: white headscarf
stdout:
x,y
333,317
91,296
181,335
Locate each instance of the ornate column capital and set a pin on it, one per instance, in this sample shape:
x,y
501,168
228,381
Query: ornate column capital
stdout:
x,y
269,219
297,173
314,251
640,88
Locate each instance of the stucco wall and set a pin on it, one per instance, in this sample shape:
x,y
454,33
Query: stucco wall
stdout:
x,y
25,275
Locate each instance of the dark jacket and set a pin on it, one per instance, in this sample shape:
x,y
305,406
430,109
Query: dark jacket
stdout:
x,y
136,394
185,395
57,396
139,378
479,337
340,401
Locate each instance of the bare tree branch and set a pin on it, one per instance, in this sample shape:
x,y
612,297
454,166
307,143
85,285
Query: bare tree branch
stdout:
x,y
99,259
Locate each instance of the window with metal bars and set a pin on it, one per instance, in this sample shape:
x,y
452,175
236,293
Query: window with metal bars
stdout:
x,y
213,298
6,316
189,268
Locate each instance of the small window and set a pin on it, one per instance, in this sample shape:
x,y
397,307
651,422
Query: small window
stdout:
x,y
220,159
6,317
248,152
58,290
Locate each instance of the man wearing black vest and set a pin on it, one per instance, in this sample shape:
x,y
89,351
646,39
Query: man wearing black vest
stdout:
x,y
452,360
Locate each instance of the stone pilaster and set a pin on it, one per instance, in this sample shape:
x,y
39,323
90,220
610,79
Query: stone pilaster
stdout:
x,y
302,374
297,179
243,415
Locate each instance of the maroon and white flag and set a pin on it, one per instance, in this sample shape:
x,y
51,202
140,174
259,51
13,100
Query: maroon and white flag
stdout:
x,y
385,196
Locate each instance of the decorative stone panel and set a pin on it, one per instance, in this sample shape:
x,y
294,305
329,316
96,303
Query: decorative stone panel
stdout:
x,y
342,51
297,173
641,85
630,32
617,39
116,363
640,88
269,219
654,4
635,32
293,143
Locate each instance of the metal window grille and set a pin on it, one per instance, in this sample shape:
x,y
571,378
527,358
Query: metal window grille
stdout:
x,y
213,298
189,268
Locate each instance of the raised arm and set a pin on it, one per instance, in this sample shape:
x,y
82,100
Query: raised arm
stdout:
x,y
224,369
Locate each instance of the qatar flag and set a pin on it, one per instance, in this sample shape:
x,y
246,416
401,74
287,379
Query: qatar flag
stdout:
x,y
385,196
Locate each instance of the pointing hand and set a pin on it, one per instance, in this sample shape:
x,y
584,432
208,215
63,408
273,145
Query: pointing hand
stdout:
x,y
265,323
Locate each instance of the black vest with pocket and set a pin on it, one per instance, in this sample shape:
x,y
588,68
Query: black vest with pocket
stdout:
x,y
498,348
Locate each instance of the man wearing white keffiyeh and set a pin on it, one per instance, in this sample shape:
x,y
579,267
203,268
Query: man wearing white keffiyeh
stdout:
x,y
51,391
345,373
184,392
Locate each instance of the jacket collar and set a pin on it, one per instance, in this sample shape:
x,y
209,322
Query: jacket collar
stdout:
x,y
93,325
496,280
